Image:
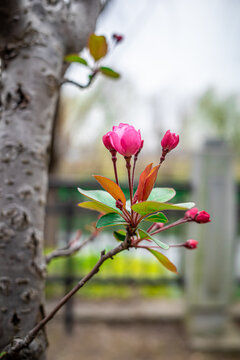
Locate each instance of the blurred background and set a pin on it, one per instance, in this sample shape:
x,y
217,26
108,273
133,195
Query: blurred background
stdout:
x,y
179,66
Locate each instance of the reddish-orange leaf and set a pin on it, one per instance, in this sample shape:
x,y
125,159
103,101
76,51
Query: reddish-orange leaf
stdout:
x,y
139,193
149,183
112,188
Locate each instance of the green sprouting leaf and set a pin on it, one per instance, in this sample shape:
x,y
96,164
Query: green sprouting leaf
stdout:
x,y
119,235
75,58
109,72
161,194
102,197
144,235
97,46
159,217
150,207
110,219
164,260
97,206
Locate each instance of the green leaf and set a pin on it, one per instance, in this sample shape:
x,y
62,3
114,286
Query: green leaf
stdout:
x,y
102,197
161,194
109,72
97,206
164,260
144,235
97,46
186,205
75,58
111,219
119,235
150,207
159,217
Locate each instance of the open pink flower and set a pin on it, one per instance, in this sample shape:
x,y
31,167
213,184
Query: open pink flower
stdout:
x,y
169,141
125,139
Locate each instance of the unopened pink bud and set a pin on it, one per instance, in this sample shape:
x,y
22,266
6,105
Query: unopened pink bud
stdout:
x,y
118,38
158,226
169,141
202,217
107,141
191,244
190,214
125,139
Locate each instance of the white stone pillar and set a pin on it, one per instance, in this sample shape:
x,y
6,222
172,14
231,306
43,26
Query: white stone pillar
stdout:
x,y
209,269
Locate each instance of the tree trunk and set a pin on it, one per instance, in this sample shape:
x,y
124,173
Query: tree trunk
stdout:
x,y
34,37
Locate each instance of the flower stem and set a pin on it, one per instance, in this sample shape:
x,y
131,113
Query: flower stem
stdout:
x,y
127,216
133,171
162,158
151,227
128,166
114,160
178,222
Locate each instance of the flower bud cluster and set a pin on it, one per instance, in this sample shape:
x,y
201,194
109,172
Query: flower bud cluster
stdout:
x,y
200,217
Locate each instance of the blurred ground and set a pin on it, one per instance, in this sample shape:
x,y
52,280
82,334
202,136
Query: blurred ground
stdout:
x,y
103,341
136,339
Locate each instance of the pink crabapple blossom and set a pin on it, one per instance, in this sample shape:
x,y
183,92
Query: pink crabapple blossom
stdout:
x,y
169,141
125,139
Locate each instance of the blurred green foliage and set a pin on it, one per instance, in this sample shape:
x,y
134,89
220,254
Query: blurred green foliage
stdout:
x,y
121,267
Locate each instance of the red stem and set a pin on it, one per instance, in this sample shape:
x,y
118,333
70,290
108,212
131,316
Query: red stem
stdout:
x,y
133,171
128,166
114,160
127,216
178,222
151,227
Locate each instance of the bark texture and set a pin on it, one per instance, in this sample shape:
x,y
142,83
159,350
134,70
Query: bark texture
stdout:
x,y
34,37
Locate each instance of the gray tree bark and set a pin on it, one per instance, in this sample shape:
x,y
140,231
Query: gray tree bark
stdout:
x,y
34,37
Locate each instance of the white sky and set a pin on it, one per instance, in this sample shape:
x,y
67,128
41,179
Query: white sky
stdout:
x,y
186,45
173,51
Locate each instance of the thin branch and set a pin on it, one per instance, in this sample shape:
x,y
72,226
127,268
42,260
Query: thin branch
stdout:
x,y
90,80
19,344
68,81
178,222
73,247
